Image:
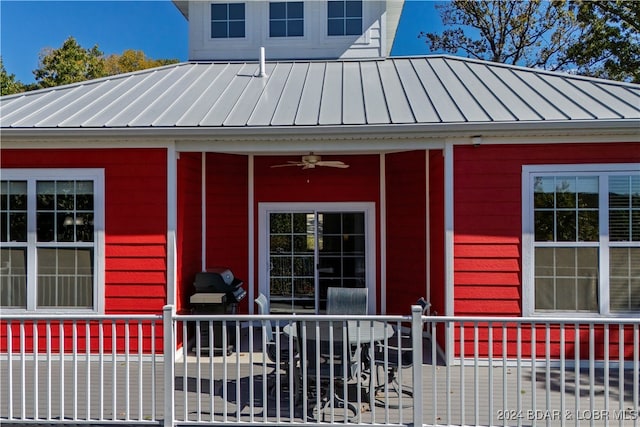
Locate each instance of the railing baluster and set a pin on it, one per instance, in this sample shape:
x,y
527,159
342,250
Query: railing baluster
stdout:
x,y
36,375
563,412
87,338
61,337
547,360
23,371
49,371
114,364
576,344
140,367
518,378
10,369
606,371
462,369
74,348
592,370
185,377
101,397
198,373
490,370
127,368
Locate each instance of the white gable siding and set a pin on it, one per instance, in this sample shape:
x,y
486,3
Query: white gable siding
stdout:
x,y
314,45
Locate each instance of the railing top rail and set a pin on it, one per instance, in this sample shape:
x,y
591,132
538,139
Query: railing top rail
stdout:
x,y
536,320
57,317
291,317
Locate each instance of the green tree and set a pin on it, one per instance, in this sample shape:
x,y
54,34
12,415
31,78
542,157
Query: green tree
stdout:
x,y
132,60
69,64
609,45
8,82
531,33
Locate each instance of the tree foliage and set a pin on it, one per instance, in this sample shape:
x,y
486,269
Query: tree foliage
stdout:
x,y
8,82
70,63
609,45
132,60
530,33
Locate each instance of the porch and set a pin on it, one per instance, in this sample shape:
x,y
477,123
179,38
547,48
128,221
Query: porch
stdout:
x,y
126,377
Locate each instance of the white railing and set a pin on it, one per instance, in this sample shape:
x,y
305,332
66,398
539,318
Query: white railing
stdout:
x,y
224,369
528,371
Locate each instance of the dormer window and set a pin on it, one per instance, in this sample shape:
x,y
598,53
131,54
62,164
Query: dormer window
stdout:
x,y
344,18
286,19
227,20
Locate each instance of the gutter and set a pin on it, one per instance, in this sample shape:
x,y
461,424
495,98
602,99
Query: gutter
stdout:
x,y
386,131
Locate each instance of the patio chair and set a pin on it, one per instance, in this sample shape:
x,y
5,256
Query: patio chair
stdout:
x,y
271,349
347,301
327,384
399,355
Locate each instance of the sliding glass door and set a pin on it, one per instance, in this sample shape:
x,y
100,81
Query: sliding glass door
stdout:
x,y
310,250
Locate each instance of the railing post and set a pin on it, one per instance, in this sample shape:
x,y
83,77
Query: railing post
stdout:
x,y
169,350
416,344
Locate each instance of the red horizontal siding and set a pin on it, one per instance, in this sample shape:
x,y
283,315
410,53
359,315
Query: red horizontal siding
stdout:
x,y
406,230
488,218
135,219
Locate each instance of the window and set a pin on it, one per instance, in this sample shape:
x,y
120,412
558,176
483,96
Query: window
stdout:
x,y
51,222
227,20
344,18
286,19
582,233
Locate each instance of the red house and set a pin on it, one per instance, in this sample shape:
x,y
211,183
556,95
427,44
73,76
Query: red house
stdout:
x,y
489,189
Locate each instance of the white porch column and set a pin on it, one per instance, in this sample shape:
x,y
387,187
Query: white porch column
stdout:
x,y
172,222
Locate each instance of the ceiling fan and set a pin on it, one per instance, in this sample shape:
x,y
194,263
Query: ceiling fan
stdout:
x,y
311,161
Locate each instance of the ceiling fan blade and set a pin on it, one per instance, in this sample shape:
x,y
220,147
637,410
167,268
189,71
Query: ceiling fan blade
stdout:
x,y
332,164
288,164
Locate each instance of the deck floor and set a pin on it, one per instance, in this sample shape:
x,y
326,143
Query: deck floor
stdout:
x,y
229,389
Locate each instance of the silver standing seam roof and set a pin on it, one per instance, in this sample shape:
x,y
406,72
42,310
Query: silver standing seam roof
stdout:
x,y
429,90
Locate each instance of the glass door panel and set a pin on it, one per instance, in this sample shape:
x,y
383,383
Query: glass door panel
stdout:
x,y
310,252
341,252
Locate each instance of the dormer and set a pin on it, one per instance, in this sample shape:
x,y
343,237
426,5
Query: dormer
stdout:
x,y
288,29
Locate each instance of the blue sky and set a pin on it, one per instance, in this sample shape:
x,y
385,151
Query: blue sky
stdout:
x,y
155,27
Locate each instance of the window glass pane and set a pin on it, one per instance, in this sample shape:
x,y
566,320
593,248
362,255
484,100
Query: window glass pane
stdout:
x,y
335,27
588,196
280,244
236,11
46,192
353,27
544,294
295,10
624,212
219,12
353,9
65,195
566,279
544,192
335,9
588,227
566,226
624,268
332,223
353,223
277,10
295,28
17,195
302,223
13,277
45,226
13,214
277,29
544,226
566,192
236,29
84,195
65,277
219,30
280,223
544,262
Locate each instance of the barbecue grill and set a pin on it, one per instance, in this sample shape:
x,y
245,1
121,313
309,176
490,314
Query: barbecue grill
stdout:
x,y
218,291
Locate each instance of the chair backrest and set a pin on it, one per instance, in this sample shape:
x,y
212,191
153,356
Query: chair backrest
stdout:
x,y
263,308
347,301
424,304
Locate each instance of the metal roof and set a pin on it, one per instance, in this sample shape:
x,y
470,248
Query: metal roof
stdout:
x,y
427,90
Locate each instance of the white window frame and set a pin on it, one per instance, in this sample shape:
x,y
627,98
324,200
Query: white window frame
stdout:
x,y
210,21
286,20
603,171
32,176
265,209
